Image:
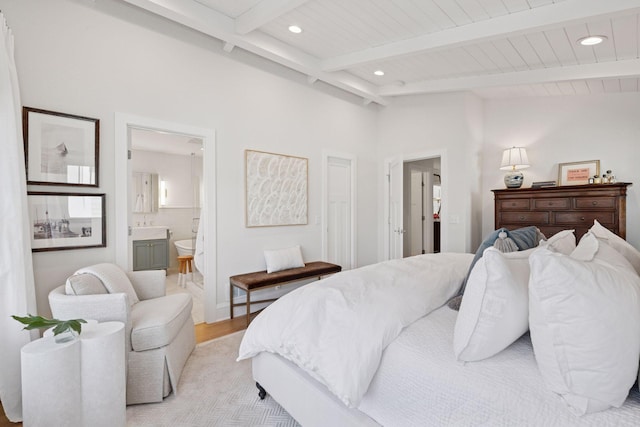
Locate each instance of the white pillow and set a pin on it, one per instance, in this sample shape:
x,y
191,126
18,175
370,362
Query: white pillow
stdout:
x,y
495,308
283,259
618,243
84,284
114,279
584,318
563,241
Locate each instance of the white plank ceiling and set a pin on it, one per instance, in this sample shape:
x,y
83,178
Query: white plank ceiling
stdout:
x,y
496,48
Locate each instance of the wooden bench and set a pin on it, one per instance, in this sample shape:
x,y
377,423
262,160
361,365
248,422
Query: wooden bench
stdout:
x,y
250,282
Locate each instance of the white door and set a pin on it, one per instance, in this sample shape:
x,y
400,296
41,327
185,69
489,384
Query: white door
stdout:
x,y
339,218
396,229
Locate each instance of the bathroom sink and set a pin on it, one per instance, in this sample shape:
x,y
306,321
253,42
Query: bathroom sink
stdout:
x,y
149,233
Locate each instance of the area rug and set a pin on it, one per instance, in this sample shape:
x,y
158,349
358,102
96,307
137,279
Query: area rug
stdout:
x,y
214,390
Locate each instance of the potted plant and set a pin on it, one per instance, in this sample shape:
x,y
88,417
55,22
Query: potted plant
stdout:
x,y
63,330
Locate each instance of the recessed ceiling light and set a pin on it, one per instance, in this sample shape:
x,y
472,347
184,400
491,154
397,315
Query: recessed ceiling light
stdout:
x,y
592,40
295,29
379,73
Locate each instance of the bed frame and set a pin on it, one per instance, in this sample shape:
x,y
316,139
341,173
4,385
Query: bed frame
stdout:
x,y
305,399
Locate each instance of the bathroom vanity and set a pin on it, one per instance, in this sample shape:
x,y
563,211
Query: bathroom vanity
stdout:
x,y
150,248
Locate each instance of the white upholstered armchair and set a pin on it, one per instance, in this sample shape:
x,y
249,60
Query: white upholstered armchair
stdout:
x,y
159,330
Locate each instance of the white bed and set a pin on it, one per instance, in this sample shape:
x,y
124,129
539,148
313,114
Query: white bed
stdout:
x,y
420,384
418,380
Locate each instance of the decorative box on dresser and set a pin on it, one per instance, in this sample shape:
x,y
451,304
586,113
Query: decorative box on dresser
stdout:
x,y
553,209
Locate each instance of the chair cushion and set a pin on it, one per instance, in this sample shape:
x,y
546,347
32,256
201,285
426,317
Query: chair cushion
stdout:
x,y
156,322
113,278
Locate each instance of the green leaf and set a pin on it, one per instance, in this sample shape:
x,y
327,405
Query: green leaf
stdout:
x,y
59,326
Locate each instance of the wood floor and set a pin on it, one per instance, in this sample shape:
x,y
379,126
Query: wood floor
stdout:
x,y
204,332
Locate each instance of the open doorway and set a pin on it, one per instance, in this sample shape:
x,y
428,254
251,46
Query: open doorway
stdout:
x,y
430,183
125,204
167,187
421,206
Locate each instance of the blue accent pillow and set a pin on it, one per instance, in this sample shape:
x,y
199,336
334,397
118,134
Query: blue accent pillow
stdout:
x,y
524,238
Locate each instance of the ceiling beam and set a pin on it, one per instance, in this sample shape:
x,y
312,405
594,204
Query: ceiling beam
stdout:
x,y
191,14
263,13
537,19
602,70
208,21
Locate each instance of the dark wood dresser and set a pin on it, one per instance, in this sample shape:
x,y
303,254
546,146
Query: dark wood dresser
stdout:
x,y
553,209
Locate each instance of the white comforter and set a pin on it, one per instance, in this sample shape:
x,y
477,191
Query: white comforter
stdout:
x,y
336,328
420,383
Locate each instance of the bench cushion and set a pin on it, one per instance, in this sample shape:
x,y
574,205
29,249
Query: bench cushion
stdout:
x,y
262,278
283,259
156,322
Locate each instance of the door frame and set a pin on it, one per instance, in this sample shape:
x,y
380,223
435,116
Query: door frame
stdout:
x,y
444,206
123,124
351,158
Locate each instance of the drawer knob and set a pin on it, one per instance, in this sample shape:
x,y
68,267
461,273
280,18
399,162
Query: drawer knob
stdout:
x,y
521,218
594,203
513,204
550,203
581,218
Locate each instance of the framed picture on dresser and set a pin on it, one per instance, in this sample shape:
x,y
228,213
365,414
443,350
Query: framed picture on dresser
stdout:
x,y
577,173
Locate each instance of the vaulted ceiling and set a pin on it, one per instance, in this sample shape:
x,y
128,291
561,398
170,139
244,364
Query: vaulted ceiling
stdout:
x,y
492,47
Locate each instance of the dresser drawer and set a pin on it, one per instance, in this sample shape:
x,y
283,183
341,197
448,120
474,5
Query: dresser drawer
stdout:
x,y
582,218
552,204
596,202
514,205
553,209
527,218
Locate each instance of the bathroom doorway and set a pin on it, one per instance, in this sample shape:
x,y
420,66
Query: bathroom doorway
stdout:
x,y
166,189
197,211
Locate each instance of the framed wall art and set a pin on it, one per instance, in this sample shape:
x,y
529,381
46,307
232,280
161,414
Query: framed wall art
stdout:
x,y
276,189
577,173
60,149
66,221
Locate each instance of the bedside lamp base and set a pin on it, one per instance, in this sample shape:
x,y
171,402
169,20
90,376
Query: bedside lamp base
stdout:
x,y
514,179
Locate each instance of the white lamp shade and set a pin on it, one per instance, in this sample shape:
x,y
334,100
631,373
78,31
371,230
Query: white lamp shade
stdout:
x,y
514,158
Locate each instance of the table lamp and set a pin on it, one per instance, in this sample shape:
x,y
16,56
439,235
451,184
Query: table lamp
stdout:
x,y
513,159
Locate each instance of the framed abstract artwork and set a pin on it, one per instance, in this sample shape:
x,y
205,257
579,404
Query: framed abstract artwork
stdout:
x,y
60,149
276,189
577,173
66,221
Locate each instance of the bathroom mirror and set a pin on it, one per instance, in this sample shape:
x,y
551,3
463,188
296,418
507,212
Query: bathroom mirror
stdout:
x,y
144,192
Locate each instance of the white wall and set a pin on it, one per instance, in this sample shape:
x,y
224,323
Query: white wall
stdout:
x,y
98,58
565,129
447,124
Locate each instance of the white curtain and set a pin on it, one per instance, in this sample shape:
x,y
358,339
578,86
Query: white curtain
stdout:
x,y
17,291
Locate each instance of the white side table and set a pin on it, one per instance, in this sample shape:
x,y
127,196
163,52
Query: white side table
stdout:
x,y
77,383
